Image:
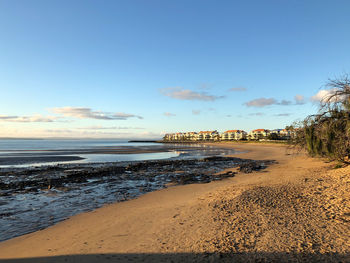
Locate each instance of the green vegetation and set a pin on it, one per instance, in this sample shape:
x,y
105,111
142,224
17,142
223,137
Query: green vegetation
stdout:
x,y
327,134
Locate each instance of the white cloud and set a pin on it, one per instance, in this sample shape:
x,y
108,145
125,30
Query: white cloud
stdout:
x,y
185,94
7,117
257,114
323,95
34,118
150,135
87,113
59,131
299,99
261,102
124,116
282,114
76,133
109,128
169,114
284,102
237,89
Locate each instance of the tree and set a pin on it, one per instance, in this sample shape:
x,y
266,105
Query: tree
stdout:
x,y
327,133
273,136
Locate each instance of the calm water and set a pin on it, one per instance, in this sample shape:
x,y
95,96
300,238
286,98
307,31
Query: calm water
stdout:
x,y
43,148
18,144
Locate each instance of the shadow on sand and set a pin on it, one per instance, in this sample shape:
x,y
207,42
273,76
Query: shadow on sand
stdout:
x,y
190,257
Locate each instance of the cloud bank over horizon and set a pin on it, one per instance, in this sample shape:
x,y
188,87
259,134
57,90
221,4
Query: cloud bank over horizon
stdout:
x,y
75,112
91,117
34,118
99,127
96,133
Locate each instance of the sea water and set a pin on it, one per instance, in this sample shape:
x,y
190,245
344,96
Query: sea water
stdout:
x,y
27,148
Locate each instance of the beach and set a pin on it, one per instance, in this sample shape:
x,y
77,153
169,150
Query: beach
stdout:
x,y
297,209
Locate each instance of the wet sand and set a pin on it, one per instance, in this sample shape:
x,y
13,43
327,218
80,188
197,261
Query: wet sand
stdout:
x,y
297,210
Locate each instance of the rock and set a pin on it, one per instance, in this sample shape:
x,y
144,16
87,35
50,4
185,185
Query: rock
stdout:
x,y
250,167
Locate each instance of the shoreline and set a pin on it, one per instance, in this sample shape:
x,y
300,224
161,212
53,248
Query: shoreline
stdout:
x,y
37,197
178,223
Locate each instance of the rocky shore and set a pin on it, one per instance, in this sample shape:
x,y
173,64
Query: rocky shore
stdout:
x,y
24,180
86,187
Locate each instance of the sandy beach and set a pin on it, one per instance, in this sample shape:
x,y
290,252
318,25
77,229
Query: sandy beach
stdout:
x,y
297,209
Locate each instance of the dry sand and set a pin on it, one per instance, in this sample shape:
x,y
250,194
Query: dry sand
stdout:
x,y
297,210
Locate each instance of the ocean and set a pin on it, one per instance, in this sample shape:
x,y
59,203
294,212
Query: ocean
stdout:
x,y
22,153
61,144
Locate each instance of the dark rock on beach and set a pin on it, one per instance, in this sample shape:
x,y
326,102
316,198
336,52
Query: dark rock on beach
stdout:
x,y
249,167
44,195
191,171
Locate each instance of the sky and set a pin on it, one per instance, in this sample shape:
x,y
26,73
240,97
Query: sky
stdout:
x,y
139,69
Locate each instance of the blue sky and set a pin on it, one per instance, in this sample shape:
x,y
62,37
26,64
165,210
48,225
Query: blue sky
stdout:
x,y
137,69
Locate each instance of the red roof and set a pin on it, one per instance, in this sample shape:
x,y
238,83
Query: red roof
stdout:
x,y
260,130
233,131
207,131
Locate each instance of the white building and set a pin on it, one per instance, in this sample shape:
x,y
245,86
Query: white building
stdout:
x,y
208,136
233,135
191,136
259,134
